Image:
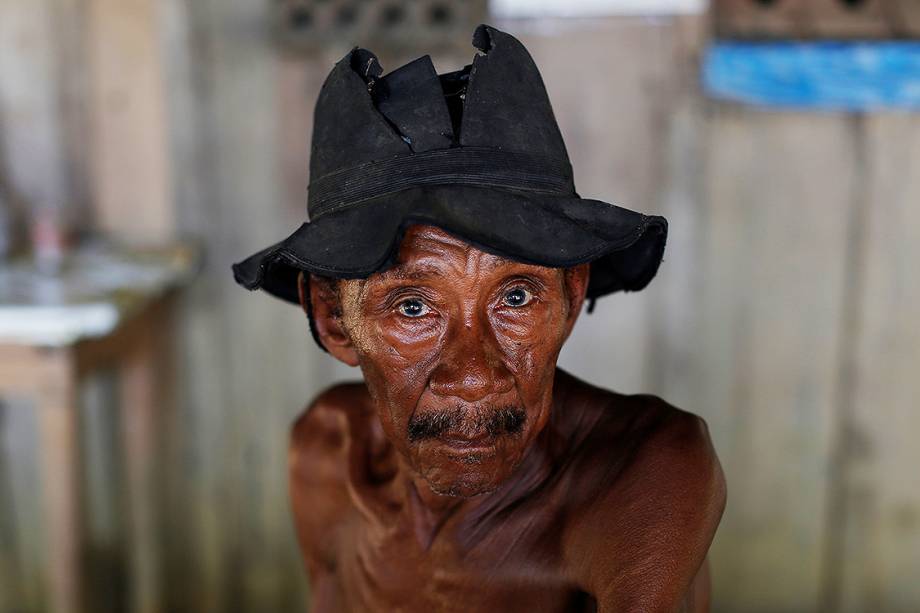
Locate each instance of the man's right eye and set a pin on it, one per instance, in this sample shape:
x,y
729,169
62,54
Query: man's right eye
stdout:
x,y
413,307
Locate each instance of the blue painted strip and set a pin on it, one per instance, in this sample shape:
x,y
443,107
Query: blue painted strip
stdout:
x,y
831,75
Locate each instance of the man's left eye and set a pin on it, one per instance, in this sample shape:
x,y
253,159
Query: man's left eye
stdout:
x,y
517,297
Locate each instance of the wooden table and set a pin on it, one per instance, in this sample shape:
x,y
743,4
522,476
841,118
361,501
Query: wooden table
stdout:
x,y
103,309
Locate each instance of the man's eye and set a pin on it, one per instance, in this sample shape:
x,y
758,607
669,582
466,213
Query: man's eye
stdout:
x,y
413,307
517,297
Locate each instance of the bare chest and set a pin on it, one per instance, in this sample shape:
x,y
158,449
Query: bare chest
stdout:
x,y
395,572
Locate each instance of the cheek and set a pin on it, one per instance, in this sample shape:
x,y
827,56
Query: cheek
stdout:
x,y
395,373
532,345
403,341
532,339
394,396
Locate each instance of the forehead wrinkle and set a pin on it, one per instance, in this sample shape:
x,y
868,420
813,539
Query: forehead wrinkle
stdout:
x,y
432,258
425,267
433,241
486,262
433,237
411,271
473,258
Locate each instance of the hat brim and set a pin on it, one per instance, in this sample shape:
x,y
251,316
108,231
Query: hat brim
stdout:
x,y
624,247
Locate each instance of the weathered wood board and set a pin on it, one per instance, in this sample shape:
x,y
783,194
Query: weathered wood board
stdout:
x,y
879,475
778,191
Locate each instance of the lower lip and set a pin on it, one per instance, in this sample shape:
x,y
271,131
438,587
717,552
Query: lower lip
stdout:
x,y
465,446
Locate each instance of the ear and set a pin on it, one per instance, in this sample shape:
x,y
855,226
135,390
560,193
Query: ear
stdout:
x,y
318,298
576,287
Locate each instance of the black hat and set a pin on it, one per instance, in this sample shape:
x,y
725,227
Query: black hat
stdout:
x,y
476,152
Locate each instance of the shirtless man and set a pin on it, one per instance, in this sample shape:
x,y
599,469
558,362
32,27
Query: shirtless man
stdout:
x,y
469,473
448,255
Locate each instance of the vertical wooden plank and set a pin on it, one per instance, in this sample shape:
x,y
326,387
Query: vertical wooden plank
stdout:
x,y
106,554
674,303
248,356
71,75
880,543
241,67
131,171
47,377
57,411
21,533
31,125
143,371
192,560
778,190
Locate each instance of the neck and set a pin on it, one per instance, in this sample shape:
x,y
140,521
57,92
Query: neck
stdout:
x,y
428,511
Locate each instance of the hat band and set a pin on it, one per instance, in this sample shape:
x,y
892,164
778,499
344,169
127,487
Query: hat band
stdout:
x,y
479,166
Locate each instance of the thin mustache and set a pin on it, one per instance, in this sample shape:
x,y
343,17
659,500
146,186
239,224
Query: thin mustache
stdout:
x,y
493,420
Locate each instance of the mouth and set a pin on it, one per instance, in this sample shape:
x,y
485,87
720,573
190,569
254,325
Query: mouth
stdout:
x,y
466,445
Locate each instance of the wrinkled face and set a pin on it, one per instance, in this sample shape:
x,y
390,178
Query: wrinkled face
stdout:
x,y
458,348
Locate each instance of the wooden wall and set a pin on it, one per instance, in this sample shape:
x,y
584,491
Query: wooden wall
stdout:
x,y
784,313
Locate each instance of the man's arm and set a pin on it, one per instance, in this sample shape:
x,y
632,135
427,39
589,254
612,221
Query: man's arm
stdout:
x,y
698,596
317,472
641,546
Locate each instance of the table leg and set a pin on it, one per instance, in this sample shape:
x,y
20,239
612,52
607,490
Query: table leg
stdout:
x,y
58,445
140,400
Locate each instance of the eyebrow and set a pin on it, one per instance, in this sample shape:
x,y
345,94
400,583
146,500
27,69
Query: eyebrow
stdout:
x,y
419,272
413,273
424,271
402,273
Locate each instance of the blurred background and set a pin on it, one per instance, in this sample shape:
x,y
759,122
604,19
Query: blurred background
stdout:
x,y
145,145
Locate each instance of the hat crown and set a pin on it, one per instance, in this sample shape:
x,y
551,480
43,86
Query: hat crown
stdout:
x,y
497,102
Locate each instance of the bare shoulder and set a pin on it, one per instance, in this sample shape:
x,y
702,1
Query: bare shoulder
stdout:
x,y
674,462
659,493
318,435
671,444
642,436
324,421
318,465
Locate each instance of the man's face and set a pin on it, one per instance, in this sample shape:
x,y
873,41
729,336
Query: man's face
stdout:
x,y
458,348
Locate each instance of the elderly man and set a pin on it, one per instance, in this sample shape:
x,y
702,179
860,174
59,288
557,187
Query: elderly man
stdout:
x,y
449,256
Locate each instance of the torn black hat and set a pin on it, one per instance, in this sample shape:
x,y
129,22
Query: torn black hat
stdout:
x,y
476,152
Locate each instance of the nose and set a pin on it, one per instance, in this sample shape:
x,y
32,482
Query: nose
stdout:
x,y
470,365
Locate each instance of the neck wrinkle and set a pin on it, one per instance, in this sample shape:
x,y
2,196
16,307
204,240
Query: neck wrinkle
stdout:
x,y
427,512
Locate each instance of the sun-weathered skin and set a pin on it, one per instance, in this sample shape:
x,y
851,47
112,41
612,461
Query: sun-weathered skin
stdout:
x,y
592,500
